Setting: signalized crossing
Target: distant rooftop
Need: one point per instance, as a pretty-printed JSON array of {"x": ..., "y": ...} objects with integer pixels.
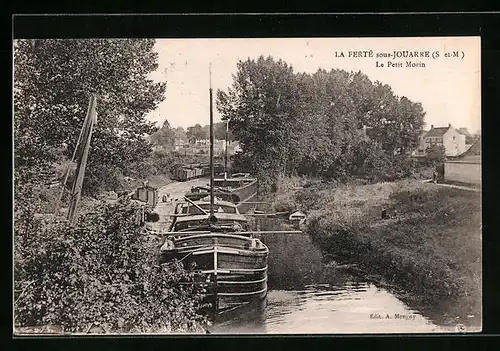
[
  {"x": 474, "y": 149},
  {"x": 437, "y": 132}
]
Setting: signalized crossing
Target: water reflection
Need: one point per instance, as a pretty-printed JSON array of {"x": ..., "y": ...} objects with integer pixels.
[
  {"x": 360, "y": 308},
  {"x": 308, "y": 297},
  {"x": 344, "y": 310}
]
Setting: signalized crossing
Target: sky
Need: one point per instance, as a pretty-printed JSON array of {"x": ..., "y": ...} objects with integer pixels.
[{"x": 448, "y": 88}]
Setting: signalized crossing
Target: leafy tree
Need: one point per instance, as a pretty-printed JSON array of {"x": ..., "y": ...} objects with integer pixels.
[
  {"x": 435, "y": 154},
  {"x": 261, "y": 108},
  {"x": 394, "y": 122},
  {"x": 180, "y": 133},
  {"x": 313, "y": 124},
  {"x": 52, "y": 84},
  {"x": 220, "y": 132},
  {"x": 469, "y": 138},
  {"x": 195, "y": 133},
  {"x": 328, "y": 122},
  {"x": 164, "y": 137}
]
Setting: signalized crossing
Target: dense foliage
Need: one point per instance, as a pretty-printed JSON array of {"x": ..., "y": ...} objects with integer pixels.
[
  {"x": 435, "y": 155},
  {"x": 53, "y": 82},
  {"x": 103, "y": 271},
  {"x": 164, "y": 137},
  {"x": 198, "y": 132},
  {"x": 333, "y": 124}
]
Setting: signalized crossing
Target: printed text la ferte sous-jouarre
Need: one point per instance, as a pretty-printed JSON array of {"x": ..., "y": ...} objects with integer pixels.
[{"x": 401, "y": 58}]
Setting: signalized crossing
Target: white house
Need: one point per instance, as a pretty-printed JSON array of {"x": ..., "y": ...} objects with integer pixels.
[{"x": 449, "y": 137}]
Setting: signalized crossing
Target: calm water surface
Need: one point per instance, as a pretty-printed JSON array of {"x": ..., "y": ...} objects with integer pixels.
[
  {"x": 325, "y": 309},
  {"x": 308, "y": 297}
]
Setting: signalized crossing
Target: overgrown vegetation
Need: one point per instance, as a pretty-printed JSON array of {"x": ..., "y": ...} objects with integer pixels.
[
  {"x": 52, "y": 85},
  {"x": 430, "y": 244},
  {"x": 331, "y": 124},
  {"x": 103, "y": 271}
]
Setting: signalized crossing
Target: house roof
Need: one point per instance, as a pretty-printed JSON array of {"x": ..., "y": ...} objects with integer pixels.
[
  {"x": 437, "y": 132},
  {"x": 474, "y": 149},
  {"x": 472, "y": 155}
]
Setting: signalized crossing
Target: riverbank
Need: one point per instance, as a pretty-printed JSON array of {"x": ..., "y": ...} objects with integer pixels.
[
  {"x": 111, "y": 268},
  {"x": 427, "y": 247}
]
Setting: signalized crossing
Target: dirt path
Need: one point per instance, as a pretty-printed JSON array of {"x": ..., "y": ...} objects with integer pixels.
[
  {"x": 459, "y": 187},
  {"x": 463, "y": 187}
]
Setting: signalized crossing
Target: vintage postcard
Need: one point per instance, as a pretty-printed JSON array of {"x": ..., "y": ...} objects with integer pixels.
[{"x": 247, "y": 186}]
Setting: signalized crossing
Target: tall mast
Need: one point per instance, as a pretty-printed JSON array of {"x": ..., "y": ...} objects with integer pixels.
[
  {"x": 211, "y": 147},
  {"x": 225, "y": 155}
]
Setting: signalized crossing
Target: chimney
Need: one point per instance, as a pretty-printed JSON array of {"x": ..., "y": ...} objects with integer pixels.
[
  {"x": 432, "y": 126},
  {"x": 449, "y": 125}
]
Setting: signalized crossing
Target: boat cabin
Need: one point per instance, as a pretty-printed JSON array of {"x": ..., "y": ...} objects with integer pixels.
[
  {"x": 233, "y": 183},
  {"x": 298, "y": 217},
  {"x": 219, "y": 207},
  {"x": 240, "y": 175},
  {"x": 189, "y": 217},
  {"x": 226, "y": 222},
  {"x": 147, "y": 194}
]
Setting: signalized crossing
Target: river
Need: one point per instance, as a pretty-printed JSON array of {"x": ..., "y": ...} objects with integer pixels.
[
  {"x": 322, "y": 299},
  {"x": 308, "y": 296}
]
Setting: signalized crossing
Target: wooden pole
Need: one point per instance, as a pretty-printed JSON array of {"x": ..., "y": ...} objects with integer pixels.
[
  {"x": 76, "y": 190},
  {"x": 225, "y": 155},
  {"x": 211, "y": 147},
  {"x": 77, "y": 146}
]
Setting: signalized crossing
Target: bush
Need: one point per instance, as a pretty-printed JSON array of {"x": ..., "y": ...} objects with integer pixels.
[
  {"x": 309, "y": 199},
  {"x": 101, "y": 271},
  {"x": 103, "y": 178},
  {"x": 435, "y": 155},
  {"x": 338, "y": 235},
  {"x": 285, "y": 204}
]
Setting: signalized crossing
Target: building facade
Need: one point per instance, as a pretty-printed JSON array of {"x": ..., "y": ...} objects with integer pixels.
[{"x": 449, "y": 137}]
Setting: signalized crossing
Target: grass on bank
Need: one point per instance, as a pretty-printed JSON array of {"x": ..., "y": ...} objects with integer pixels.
[{"x": 430, "y": 245}]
